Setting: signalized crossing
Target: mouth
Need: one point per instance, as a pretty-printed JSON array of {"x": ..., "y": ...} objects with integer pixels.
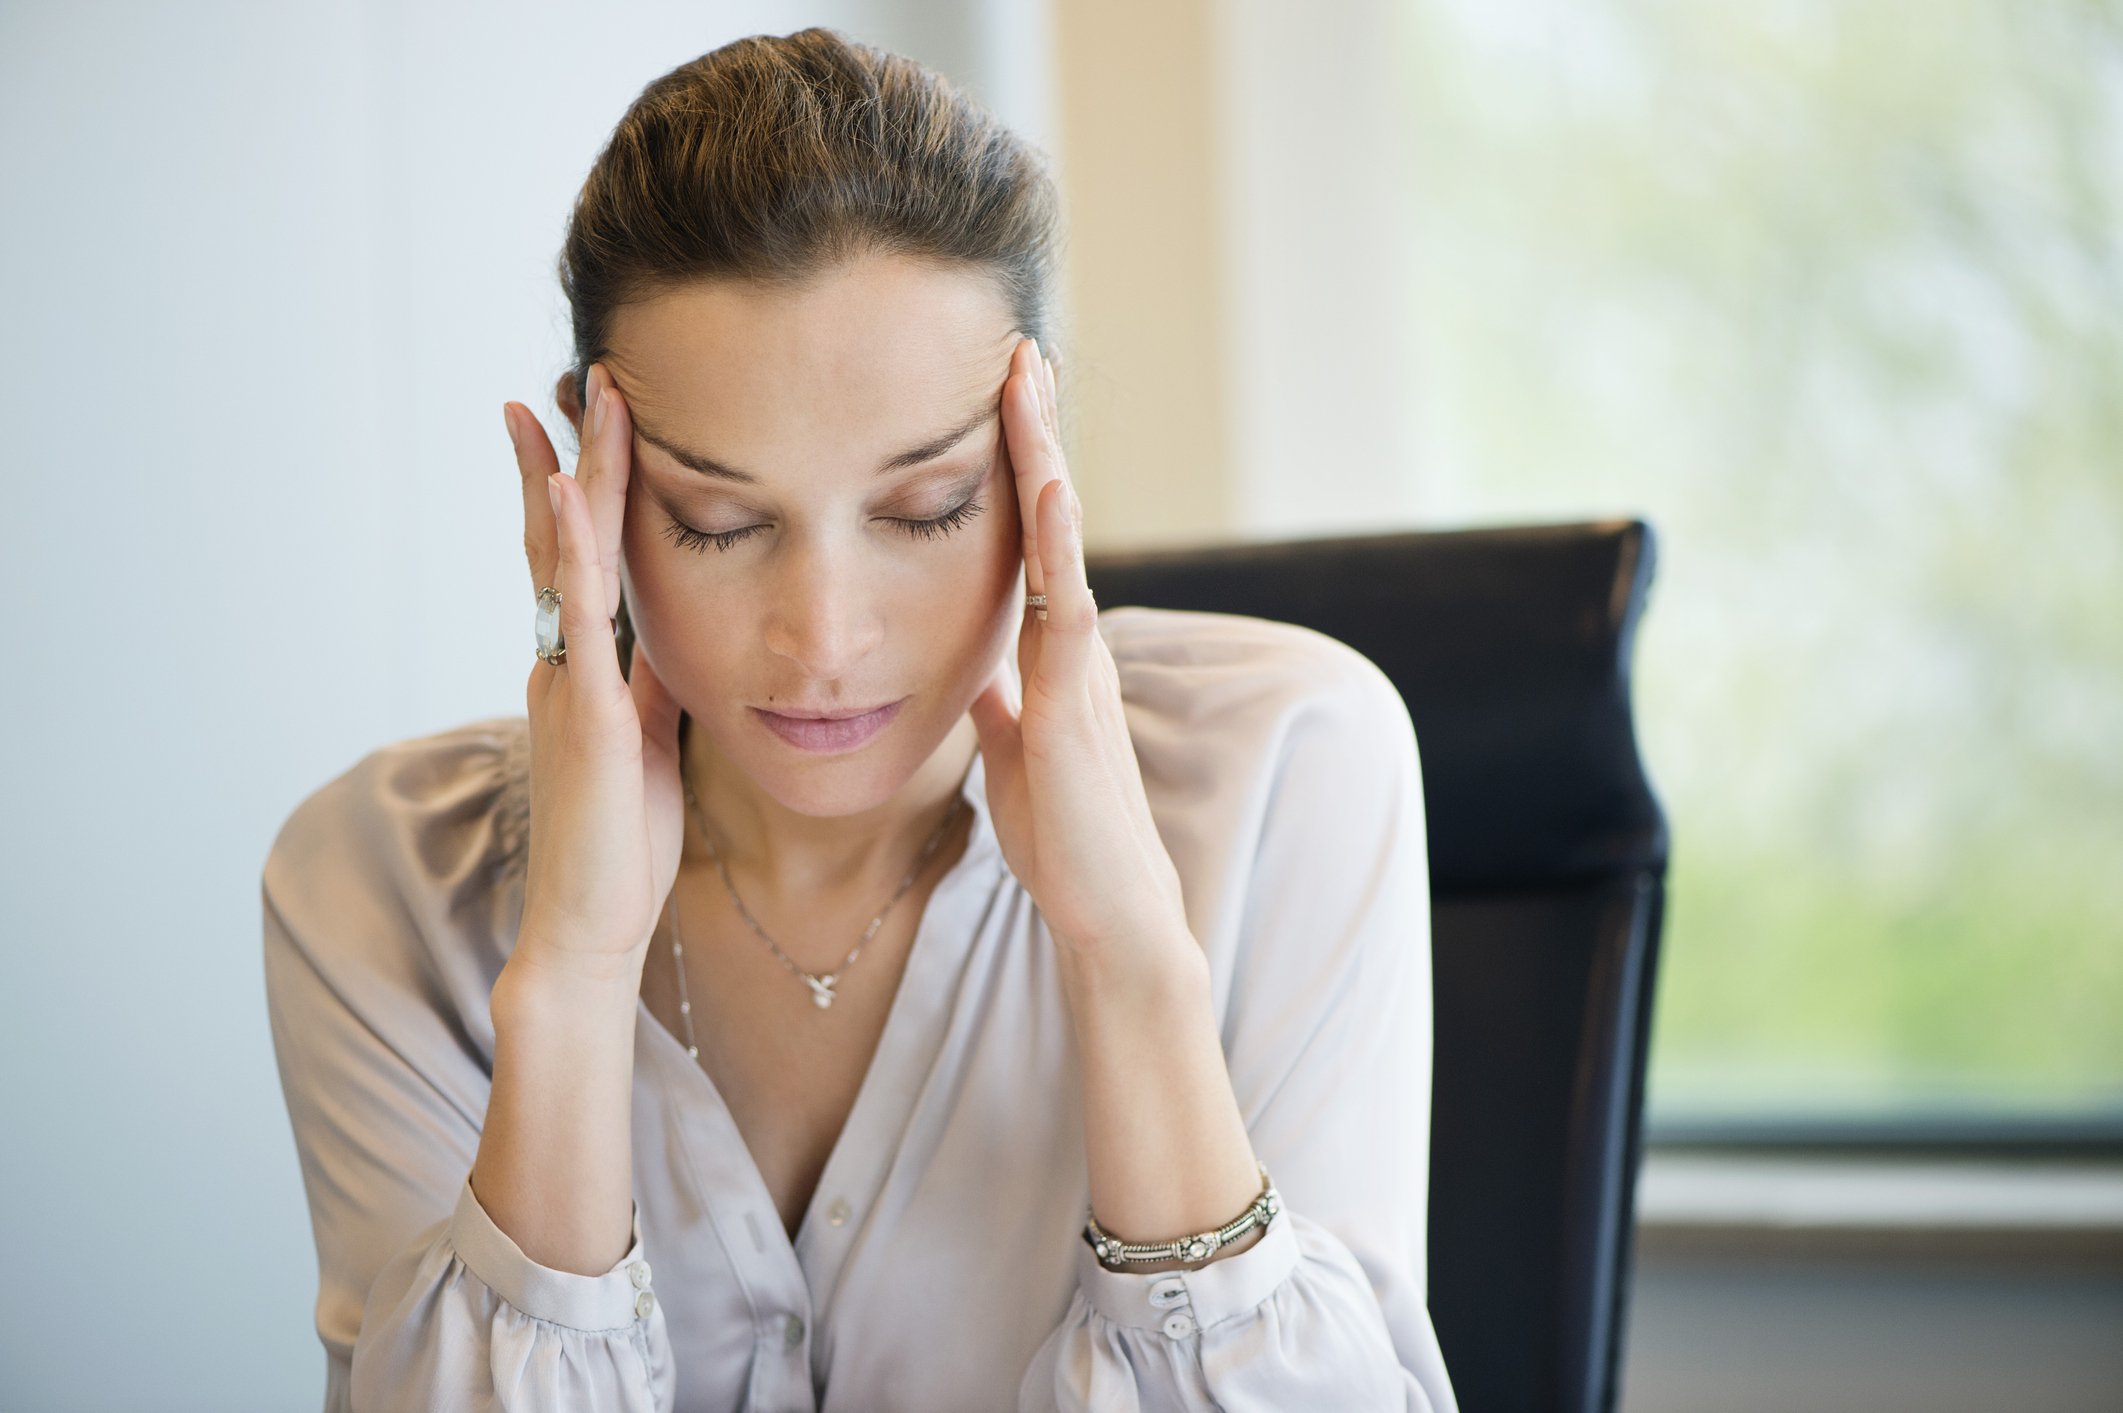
[
  {"x": 824, "y": 714},
  {"x": 829, "y": 733}
]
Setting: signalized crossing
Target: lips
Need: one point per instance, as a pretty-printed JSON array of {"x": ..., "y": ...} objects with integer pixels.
[
  {"x": 829, "y": 735},
  {"x": 827, "y": 714}
]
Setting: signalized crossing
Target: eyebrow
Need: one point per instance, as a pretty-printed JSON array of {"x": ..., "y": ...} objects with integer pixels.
[{"x": 913, "y": 456}]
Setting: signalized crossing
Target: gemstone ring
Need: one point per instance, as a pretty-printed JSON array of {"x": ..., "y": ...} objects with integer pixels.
[{"x": 552, "y": 647}]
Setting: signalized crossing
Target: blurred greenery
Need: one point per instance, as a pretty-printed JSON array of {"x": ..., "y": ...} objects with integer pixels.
[{"x": 1831, "y": 292}]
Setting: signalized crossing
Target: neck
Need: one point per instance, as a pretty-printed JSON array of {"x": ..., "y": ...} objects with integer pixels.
[{"x": 792, "y": 855}]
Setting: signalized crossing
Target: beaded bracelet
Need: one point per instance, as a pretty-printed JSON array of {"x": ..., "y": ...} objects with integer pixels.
[{"x": 1114, "y": 1253}]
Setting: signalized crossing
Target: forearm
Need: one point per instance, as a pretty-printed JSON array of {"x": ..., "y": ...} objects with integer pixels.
[
  {"x": 555, "y": 1163},
  {"x": 1165, "y": 1142}
]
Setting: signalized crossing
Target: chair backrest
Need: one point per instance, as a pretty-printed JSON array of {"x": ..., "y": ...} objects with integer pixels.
[{"x": 1548, "y": 849}]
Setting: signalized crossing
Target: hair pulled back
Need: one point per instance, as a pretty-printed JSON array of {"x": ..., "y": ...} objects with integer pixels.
[{"x": 775, "y": 159}]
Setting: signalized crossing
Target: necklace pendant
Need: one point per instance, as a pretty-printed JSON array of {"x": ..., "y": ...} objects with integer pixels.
[{"x": 821, "y": 991}]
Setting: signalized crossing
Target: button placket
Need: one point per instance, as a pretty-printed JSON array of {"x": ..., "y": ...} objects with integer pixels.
[
  {"x": 638, "y": 1273},
  {"x": 1171, "y": 1294}
]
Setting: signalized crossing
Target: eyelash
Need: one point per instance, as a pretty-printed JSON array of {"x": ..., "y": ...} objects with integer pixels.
[{"x": 686, "y": 537}]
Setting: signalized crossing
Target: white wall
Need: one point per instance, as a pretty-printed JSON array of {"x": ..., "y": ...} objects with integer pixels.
[{"x": 270, "y": 272}]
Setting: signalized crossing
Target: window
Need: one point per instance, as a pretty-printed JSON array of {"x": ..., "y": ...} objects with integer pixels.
[{"x": 1831, "y": 291}]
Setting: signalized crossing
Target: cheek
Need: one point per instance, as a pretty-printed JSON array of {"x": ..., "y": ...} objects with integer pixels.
[
  {"x": 994, "y": 563},
  {"x": 1006, "y": 529},
  {"x": 643, "y": 569},
  {"x": 994, "y": 610},
  {"x": 661, "y": 582}
]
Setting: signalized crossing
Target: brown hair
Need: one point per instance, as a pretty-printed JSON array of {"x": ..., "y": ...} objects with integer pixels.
[{"x": 775, "y": 158}]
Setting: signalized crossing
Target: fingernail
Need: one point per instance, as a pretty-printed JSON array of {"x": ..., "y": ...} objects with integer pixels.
[
  {"x": 508, "y": 420},
  {"x": 597, "y": 414},
  {"x": 552, "y": 493}
]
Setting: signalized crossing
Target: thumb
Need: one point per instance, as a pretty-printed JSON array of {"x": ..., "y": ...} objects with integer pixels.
[{"x": 995, "y": 719}]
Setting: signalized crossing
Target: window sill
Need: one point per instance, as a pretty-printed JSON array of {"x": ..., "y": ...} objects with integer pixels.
[{"x": 1762, "y": 1204}]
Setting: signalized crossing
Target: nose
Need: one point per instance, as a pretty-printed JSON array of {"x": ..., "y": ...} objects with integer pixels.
[{"x": 825, "y": 617}]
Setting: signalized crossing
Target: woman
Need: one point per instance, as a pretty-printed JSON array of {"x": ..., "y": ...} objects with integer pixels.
[{"x": 614, "y": 1085}]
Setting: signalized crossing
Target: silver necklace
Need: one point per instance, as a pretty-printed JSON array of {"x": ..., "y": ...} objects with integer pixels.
[{"x": 822, "y": 992}]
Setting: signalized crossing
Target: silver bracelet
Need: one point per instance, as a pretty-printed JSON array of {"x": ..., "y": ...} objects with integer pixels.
[{"x": 1115, "y": 1253}]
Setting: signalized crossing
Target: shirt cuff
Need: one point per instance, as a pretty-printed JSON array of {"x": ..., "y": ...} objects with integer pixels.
[
  {"x": 615, "y": 1299},
  {"x": 1231, "y": 1285}
]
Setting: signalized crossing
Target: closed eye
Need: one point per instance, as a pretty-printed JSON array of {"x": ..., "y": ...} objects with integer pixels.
[{"x": 686, "y": 537}]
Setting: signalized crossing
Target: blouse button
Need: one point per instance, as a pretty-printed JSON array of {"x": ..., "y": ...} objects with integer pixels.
[
  {"x": 639, "y": 1274},
  {"x": 792, "y": 1333},
  {"x": 1168, "y": 1292},
  {"x": 643, "y": 1304},
  {"x": 837, "y": 1214},
  {"x": 1179, "y": 1324}
]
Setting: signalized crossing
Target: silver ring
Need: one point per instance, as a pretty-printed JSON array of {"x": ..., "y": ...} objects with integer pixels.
[
  {"x": 1037, "y": 603},
  {"x": 552, "y": 644}
]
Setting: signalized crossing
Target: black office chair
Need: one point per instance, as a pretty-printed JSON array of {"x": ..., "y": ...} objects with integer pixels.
[{"x": 1548, "y": 850}]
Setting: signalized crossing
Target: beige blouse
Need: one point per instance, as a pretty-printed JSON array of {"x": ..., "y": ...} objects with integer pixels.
[{"x": 941, "y": 1263}]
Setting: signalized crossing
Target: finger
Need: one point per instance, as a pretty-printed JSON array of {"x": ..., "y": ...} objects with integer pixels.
[
  {"x": 1065, "y": 634},
  {"x": 534, "y": 462},
  {"x": 1031, "y": 452},
  {"x": 1051, "y": 406},
  {"x": 1049, "y": 399},
  {"x": 585, "y": 621},
  {"x": 602, "y": 470}
]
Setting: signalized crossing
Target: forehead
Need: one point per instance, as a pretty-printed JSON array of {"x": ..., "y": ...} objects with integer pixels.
[{"x": 861, "y": 362}]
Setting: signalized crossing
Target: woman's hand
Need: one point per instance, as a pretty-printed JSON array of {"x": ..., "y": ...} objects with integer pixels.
[
  {"x": 1064, "y": 791},
  {"x": 607, "y": 811}
]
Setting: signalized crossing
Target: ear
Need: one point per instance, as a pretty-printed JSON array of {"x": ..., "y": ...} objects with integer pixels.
[{"x": 570, "y": 405}]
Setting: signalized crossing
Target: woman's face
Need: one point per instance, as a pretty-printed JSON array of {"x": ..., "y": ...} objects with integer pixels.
[{"x": 788, "y": 448}]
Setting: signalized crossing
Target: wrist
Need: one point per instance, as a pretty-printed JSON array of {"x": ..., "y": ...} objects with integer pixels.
[
  {"x": 537, "y": 981},
  {"x": 1143, "y": 979}
]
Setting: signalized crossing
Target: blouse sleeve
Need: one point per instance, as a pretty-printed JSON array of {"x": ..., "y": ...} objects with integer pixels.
[
  {"x": 371, "y": 903},
  {"x": 1327, "y": 1036}
]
